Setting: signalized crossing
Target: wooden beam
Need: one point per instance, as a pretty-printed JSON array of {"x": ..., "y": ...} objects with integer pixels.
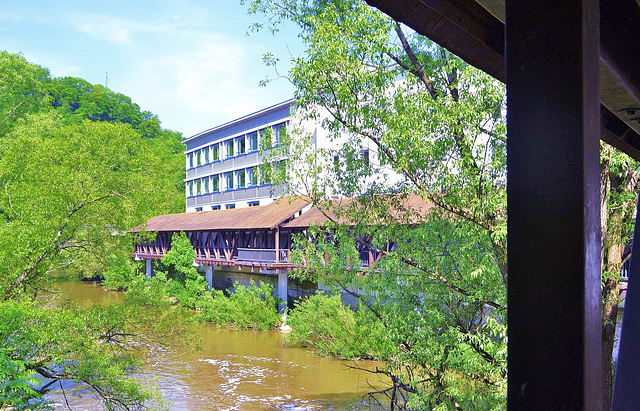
[
  {"x": 554, "y": 205},
  {"x": 463, "y": 27}
]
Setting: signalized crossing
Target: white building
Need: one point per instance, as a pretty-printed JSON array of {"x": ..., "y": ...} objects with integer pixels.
[{"x": 224, "y": 163}]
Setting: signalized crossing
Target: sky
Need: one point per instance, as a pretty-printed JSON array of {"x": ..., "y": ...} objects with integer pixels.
[{"x": 188, "y": 61}]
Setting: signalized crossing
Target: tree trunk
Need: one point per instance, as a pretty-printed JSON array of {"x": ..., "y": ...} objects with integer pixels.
[{"x": 614, "y": 239}]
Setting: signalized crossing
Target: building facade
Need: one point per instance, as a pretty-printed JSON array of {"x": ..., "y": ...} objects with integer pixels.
[{"x": 224, "y": 163}]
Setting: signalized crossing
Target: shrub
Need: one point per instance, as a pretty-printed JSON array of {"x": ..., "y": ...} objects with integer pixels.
[
  {"x": 248, "y": 307},
  {"x": 324, "y": 323}
]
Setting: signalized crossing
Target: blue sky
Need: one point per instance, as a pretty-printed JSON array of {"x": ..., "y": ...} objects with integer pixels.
[{"x": 188, "y": 61}]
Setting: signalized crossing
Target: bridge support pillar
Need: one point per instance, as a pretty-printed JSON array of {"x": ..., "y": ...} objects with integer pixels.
[
  {"x": 209, "y": 276},
  {"x": 283, "y": 290},
  {"x": 149, "y": 269}
]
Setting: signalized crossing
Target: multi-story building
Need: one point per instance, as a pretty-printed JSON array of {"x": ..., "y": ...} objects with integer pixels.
[{"x": 224, "y": 163}]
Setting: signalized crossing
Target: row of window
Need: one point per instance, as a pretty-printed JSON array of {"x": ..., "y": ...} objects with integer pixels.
[
  {"x": 230, "y": 206},
  {"x": 246, "y": 177},
  {"x": 247, "y": 143}
]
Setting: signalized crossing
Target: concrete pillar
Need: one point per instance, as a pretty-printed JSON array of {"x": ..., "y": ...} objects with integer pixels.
[
  {"x": 149, "y": 269},
  {"x": 209, "y": 276},
  {"x": 283, "y": 290}
]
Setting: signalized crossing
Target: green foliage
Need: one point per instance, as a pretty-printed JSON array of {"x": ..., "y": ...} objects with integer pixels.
[
  {"x": 325, "y": 324},
  {"x": 157, "y": 291},
  {"x": 22, "y": 89},
  {"x": 76, "y": 98},
  {"x": 93, "y": 347},
  {"x": 180, "y": 258},
  {"x": 246, "y": 307},
  {"x": 69, "y": 194},
  {"x": 71, "y": 188},
  {"x": 435, "y": 129}
]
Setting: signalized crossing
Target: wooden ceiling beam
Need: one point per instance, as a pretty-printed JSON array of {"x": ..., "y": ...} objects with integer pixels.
[{"x": 463, "y": 27}]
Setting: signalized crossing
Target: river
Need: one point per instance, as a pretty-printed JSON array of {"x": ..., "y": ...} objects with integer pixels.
[{"x": 237, "y": 370}]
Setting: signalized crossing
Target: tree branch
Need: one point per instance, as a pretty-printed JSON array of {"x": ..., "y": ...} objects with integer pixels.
[{"x": 419, "y": 70}]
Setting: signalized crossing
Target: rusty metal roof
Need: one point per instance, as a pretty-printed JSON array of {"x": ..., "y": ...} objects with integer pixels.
[
  {"x": 259, "y": 217},
  {"x": 410, "y": 209}
]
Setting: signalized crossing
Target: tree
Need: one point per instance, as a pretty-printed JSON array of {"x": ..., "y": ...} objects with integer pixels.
[
  {"x": 619, "y": 184},
  {"x": 69, "y": 193},
  {"x": 75, "y": 174},
  {"x": 22, "y": 89},
  {"x": 181, "y": 258},
  {"x": 76, "y": 100},
  {"x": 95, "y": 348},
  {"x": 440, "y": 124},
  {"x": 440, "y": 289}
]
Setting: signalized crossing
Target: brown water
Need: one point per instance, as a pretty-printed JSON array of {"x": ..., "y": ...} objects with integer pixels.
[{"x": 239, "y": 370}]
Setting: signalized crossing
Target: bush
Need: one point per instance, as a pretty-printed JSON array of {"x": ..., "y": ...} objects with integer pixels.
[
  {"x": 248, "y": 307},
  {"x": 158, "y": 291},
  {"x": 328, "y": 326}
]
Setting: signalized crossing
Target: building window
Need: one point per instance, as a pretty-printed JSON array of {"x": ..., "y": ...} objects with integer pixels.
[
  {"x": 241, "y": 179},
  {"x": 198, "y": 208},
  {"x": 215, "y": 207},
  {"x": 252, "y": 176},
  {"x": 253, "y": 203},
  {"x": 241, "y": 145},
  {"x": 279, "y": 132},
  {"x": 205, "y": 185},
  {"x": 198, "y": 192},
  {"x": 190, "y": 188},
  {"x": 215, "y": 184},
  {"x": 229, "y": 147},
  {"x": 336, "y": 163},
  {"x": 190, "y": 155},
  {"x": 253, "y": 141},
  {"x": 198, "y": 163},
  {"x": 265, "y": 174},
  {"x": 216, "y": 152},
  {"x": 229, "y": 206},
  {"x": 229, "y": 181},
  {"x": 206, "y": 155},
  {"x": 365, "y": 157}
]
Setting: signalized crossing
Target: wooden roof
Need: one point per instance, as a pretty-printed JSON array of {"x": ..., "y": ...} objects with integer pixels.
[
  {"x": 415, "y": 205},
  {"x": 260, "y": 217},
  {"x": 474, "y": 30}
]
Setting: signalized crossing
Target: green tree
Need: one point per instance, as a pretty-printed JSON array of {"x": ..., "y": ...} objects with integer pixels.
[
  {"x": 181, "y": 258},
  {"x": 79, "y": 166},
  {"x": 95, "y": 348},
  {"x": 619, "y": 185},
  {"x": 69, "y": 193},
  {"x": 424, "y": 115},
  {"x": 439, "y": 123},
  {"x": 76, "y": 100},
  {"x": 22, "y": 89}
]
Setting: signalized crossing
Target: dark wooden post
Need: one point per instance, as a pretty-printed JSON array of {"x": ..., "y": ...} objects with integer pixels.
[
  {"x": 277, "y": 243},
  {"x": 553, "y": 205}
]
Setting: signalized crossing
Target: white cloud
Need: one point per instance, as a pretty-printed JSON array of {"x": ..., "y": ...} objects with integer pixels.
[
  {"x": 111, "y": 29},
  {"x": 117, "y": 30},
  {"x": 207, "y": 79}
]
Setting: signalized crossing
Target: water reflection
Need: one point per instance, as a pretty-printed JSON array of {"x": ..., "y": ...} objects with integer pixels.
[{"x": 238, "y": 370}]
